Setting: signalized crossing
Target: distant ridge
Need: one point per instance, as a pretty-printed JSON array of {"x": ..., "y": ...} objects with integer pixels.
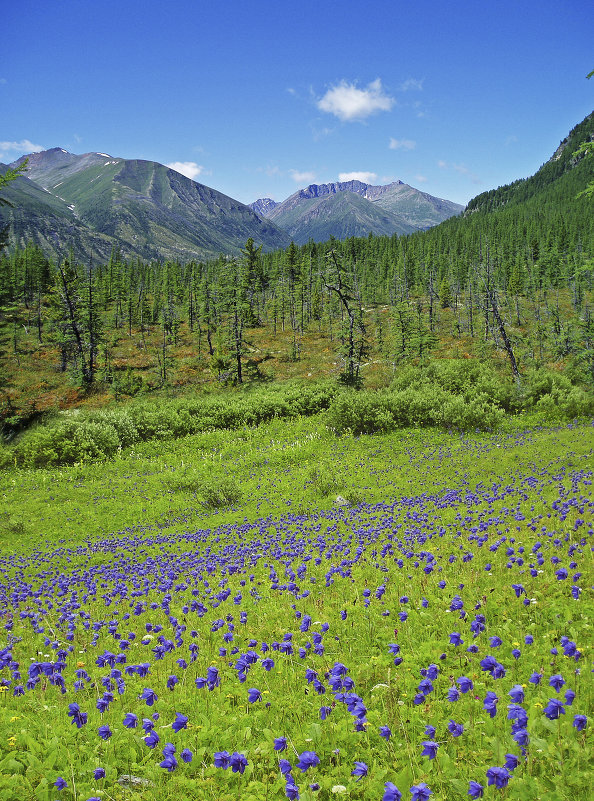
[
  {"x": 315, "y": 213},
  {"x": 94, "y": 202}
]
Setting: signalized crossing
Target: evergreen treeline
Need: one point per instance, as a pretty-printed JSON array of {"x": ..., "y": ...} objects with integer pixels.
[{"x": 513, "y": 274}]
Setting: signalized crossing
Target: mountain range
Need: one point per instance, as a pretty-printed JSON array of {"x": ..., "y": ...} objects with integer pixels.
[
  {"x": 94, "y": 202},
  {"x": 354, "y": 208}
]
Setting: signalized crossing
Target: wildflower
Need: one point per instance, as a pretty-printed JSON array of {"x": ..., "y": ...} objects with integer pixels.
[
  {"x": 284, "y": 766},
  {"x": 221, "y": 759},
  {"x": 580, "y": 722},
  {"x": 453, "y": 694},
  {"x": 475, "y": 790},
  {"x": 280, "y": 744},
  {"x": 517, "y": 694},
  {"x": 104, "y": 732},
  {"x": 385, "y": 732},
  {"x": 430, "y": 749},
  {"x": 149, "y": 696},
  {"x": 456, "y": 638},
  {"x": 60, "y": 783},
  {"x": 554, "y": 709},
  {"x": 130, "y": 721},
  {"x": 187, "y": 755},
  {"x": 360, "y": 770},
  {"x": 521, "y": 737},
  {"x": 465, "y": 684},
  {"x": 99, "y": 773},
  {"x": 308, "y": 759},
  {"x": 556, "y": 682},
  {"x": 238, "y": 762},
  {"x": 511, "y": 761},
  {"x": 490, "y": 704},
  {"x": 569, "y": 697},
  {"x": 78, "y": 717},
  {"x": 420, "y": 792},
  {"x": 169, "y": 763},
  {"x": 291, "y": 791},
  {"x": 391, "y": 793},
  {"x": 254, "y": 695},
  {"x": 535, "y": 678},
  {"x": 180, "y": 722},
  {"x": 498, "y": 776},
  {"x": 455, "y": 729},
  {"x": 152, "y": 739}
]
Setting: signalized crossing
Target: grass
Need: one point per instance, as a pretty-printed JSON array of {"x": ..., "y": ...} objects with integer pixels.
[{"x": 92, "y": 554}]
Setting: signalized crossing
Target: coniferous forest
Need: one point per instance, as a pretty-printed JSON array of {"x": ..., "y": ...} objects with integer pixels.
[{"x": 508, "y": 284}]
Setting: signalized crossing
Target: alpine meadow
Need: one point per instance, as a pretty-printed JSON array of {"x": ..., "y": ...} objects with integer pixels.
[{"x": 295, "y": 494}]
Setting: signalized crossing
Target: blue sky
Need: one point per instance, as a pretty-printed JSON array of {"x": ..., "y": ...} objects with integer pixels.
[{"x": 260, "y": 98}]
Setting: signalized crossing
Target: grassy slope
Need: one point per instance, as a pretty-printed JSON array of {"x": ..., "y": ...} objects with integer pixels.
[{"x": 283, "y": 466}]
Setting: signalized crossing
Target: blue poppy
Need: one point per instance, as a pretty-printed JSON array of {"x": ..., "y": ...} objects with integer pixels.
[
  {"x": 475, "y": 790},
  {"x": 580, "y": 722},
  {"x": 430, "y": 749},
  {"x": 180, "y": 722},
  {"x": 554, "y": 709}
]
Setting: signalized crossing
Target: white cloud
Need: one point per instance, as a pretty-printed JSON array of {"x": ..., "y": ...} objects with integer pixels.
[
  {"x": 412, "y": 83},
  {"x": 402, "y": 144},
  {"x": 24, "y": 146},
  {"x": 188, "y": 168},
  {"x": 422, "y": 179},
  {"x": 442, "y": 164},
  {"x": 302, "y": 177},
  {"x": 349, "y": 103},
  {"x": 364, "y": 177}
]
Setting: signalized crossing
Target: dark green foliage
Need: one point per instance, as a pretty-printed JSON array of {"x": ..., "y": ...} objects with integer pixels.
[{"x": 79, "y": 437}]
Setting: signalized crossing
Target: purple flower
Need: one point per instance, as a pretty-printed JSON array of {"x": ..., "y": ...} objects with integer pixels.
[
  {"x": 130, "y": 721},
  {"x": 455, "y": 729},
  {"x": 511, "y": 761},
  {"x": 475, "y": 790},
  {"x": 360, "y": 770},
  {"x": 78, "y": 717},
  {"x": 238, "y": 762},
  {"x": 152, "y": 739},
  {"x": 280, "y": 744},
  {"x": 535, "y": 678},
  {"x": 291, "y": 791},
  {"x": 391, "y": 792},
  {"x": 99, "y": 773},
  {"x": 385, "y": 732},
  {"x": 554, "y": 709},
  {"x": 498, "y": 776},
  {"x": 569, "y": 697},
  {"x": 556, "y": 682},
  {"x": 490, "y": 703},
  {"x": 456, "y": 638},
  {"x": 453, "y": 694},
  {"x": 254, "y": 695},
  {"x": 308, "y": 759},
  {"x": 60, "y": 783},
  {"x": 169, "y": 763},
  {"x": 221, "y": 759},
  {"x": 284, "y": 766},
  {"x": 149, "y": 696},
  {"x": 180, "y": 722},
  {"x": 430, "y": 749},
  {"x": 517, "y": 694},
  {"x": 171, "y": 682},
  {"x": 104, "y": 732},
  {"x": 580, "y": 722},
  {"x": 420, "y": 792},
  {"x": 187, "y": 755},
  {"x": 465, "y": 684}
]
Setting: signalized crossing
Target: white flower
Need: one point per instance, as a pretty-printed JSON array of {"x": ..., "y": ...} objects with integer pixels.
[{"x": 339, "y": 788}]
